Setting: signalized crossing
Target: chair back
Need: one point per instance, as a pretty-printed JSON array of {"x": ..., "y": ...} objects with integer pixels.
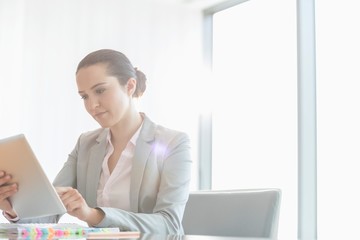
[{"x": 242, "y": 213}]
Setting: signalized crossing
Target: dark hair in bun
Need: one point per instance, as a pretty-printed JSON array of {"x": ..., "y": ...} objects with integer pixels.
[{"x": 118, "y": 65}]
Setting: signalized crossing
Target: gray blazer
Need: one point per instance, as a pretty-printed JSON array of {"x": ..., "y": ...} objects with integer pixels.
[{"x": 160, "y": 178}]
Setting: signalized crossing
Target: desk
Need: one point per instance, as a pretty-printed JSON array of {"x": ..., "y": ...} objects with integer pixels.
[
  {"x": 152, "y": 237},
  {"x": 191, "y": 237}
]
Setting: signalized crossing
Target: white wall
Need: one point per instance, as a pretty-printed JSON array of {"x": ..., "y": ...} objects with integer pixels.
[{"x": 42, "y": 41}]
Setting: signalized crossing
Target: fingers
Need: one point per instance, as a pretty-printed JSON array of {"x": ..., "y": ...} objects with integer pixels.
[
  {"x": 70, "y": 197},
  {"x": 62, "y": 190},
  {"x": 68, "y": 193},
  {"x": 7, "y": 189},
  {"x": 4, "y": 178}
]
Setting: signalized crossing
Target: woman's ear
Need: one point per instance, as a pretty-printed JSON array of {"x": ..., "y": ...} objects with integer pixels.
[{"x": 131, "y": 86}]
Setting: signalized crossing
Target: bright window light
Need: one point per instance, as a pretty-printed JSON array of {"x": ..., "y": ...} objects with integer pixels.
[
  {"x": 338, "y": 117},
  {"x": 255, "y": 102}
]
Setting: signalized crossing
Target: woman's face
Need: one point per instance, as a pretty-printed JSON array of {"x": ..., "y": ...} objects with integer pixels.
[{"x": 104, "y": 98}]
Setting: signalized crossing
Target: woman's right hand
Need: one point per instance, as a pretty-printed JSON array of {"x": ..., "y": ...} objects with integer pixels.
[{"x": 7, "y": 189}]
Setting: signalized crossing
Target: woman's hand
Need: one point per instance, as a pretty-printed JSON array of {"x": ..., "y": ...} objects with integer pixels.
[
  {"x": 76, "y": 206},
  {"x": 7, "y": 189}
]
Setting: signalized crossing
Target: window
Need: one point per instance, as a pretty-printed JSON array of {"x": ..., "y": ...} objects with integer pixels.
[
  {"x": 338, "y": 107},
  {"x": 254, "y": 102}
]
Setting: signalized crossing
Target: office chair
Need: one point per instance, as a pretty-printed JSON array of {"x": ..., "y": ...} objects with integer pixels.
[{"x": 243, "y": 213}]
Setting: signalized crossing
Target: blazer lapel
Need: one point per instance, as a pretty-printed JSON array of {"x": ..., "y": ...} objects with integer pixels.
[
  {"x": 97, "y": 154},
  {"x": 142, "y": 151}
]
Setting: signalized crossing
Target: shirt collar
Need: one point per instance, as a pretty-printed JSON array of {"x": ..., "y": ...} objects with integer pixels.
[
  {"x": 133, "y": 139},
  {"x": 136, "y": 135}
]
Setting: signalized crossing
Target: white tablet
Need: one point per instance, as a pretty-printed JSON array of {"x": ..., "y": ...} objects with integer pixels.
[{"x": 36, "y": 196}]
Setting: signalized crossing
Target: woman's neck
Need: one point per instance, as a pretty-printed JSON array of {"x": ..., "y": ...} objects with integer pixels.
[{"x": 123, "y": 131}]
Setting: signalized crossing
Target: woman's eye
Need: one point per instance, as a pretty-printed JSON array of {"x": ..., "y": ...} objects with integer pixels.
[
  {"x": 84, "y": 97},
  {"x": 100, "y": 90}
]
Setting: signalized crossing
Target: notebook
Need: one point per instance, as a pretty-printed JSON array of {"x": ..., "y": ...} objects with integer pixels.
[{"x": 36, "y": 196}]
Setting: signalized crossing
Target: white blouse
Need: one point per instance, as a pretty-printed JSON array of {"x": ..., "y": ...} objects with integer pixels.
[{"x": 114, "y": 189}]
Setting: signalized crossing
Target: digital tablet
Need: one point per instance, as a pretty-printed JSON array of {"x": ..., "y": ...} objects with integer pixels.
[{"x": 36, "y": 196}]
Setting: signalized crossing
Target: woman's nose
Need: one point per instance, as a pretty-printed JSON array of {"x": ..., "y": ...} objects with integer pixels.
[{"x": 92, "y": 103}]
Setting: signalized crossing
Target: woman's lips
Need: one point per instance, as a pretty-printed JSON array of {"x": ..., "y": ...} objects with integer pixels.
[{"x": 100, "y": 114}]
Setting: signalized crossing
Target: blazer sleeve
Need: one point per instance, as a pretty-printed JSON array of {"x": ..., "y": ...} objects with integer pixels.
[{"x": 173, "y": 192}]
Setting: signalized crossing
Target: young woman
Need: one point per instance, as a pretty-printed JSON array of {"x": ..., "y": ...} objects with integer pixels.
[{"x": 131, "y": 173}]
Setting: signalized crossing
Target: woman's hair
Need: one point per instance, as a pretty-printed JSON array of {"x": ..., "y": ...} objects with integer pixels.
[{"x": 118, "y": 65}]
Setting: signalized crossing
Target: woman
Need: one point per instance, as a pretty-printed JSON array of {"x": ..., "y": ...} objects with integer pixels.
[{"x": 130, "y": 173}]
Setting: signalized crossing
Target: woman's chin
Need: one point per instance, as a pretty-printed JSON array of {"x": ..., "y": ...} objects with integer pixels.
[{"x": 103, "y": 124}]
